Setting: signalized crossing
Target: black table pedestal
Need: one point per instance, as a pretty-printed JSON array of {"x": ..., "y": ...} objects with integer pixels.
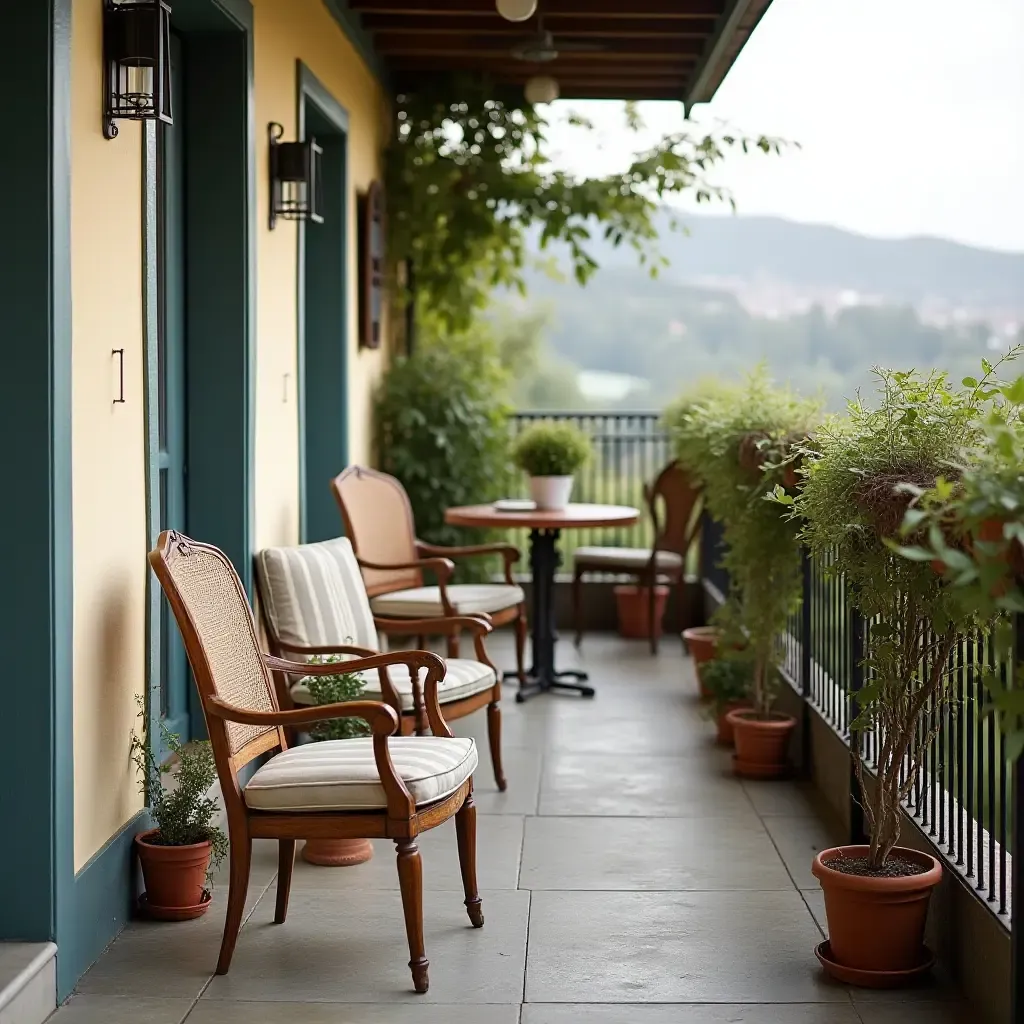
[{"x": 543, "y": 676}]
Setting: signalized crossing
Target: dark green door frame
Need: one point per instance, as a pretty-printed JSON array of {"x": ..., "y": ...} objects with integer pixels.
[
  {"x": 323, "y": 308},
  {"x": 37, "y": 805}
]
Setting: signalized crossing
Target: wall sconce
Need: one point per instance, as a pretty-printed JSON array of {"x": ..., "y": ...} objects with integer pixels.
[
  {"x": 296, "y": 184},
  {"x": 136, "y": 62}
]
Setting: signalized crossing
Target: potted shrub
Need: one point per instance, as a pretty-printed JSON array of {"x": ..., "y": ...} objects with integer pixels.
[
  {"x": 852, "y": 502},
  {"x": 728, "y": 681},
  {"x": 735, "y": 439},
  {"x": 702, "y": 643},
  {"x": 177, "y": 856},
  {"x": 549, "y": 454},
  {"x": 336, "y": 853}
]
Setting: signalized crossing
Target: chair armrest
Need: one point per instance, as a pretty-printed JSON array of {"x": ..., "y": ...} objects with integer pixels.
[
  {"x": 509, "y": 552},
  {"x": 383, "y": 722},
  {"x": 441, "y": 567},
  {"x": 447, "y": 625},
  {"x": 362, "y": 652}
]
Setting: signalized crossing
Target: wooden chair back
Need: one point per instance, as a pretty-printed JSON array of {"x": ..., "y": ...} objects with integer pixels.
[
  {"x": 379, "y": 522},
  {"x": 217, "y": 626},
  {"x": 672, "y": 499}
]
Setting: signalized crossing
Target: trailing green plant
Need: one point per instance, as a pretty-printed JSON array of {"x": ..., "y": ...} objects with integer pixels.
[
  {"x": 441, "y": 427},
  {"x": 861, "y": 473},
  {"x": 729, "y": 679},
  {"x": 345, "y": 686},
  {"x": 551, "y": 449},
  {"x": 711, "y": 429},
  {"x": 182, "y": 812},
  {"x": 469, "y": 172}
]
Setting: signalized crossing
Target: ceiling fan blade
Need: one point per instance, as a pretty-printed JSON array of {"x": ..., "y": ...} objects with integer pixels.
[{"x": 570, "y": 47}]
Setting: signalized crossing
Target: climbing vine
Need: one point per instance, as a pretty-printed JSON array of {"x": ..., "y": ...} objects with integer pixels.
[{"x": 468, "y": 173}]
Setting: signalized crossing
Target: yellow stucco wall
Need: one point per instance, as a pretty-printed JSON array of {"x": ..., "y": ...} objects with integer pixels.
[
  {"x": 109, "y": 507},
  {"x": 287, "y": 31},
  {"x": 108, "y": 450}
]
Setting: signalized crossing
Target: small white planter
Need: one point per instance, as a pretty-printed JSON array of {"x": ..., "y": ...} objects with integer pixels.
[{"x": 551, "y": 492}]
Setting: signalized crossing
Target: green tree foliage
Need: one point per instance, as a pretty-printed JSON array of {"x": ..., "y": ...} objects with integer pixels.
[
  {"x": 469, "y": 172},
  {"x": 344, "y": 686}
]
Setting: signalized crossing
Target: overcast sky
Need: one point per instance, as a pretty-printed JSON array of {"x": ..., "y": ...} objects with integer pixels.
[{"x": 910, "y": 114}]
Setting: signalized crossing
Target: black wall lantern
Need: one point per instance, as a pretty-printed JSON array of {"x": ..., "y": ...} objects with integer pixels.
[
  {"x": 296, "y": 183},
  {"x": 136, "y": 62}
]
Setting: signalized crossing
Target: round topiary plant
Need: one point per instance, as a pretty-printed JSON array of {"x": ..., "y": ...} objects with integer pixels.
[{"x": 551, "y": 449}]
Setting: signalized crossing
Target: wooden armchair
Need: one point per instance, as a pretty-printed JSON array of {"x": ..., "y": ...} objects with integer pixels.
[
  {"x": 378, "y": 520},
  {"x": 674, "y": 491},
  {"x": 384, "y": 786},
  {"x": 313, "y": 601}
]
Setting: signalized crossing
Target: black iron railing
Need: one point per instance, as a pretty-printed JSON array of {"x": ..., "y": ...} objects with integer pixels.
[
  {"x": 965, "y": 799},
  {"x": 629, "y": 448}
]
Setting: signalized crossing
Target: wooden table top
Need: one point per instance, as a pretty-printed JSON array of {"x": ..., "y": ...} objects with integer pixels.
[{"x": 570, "y": 518}]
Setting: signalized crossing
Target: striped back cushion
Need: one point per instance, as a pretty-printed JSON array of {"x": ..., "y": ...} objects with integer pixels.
[{"x": 313, "y": 595}]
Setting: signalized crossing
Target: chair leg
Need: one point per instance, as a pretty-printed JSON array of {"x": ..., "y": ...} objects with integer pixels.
[
  {"x": 577, "y": 607},
  {"x": 410, "y": 878},
  {"x": 453, "y": 646},
  {"x": 521, "y": 630},
  {"x": 494, "y": 741},
  {"x": 285, "y": 863},
  {"x": 238, "y": 887},
  {"x": 465, "y": 830},
  {"x": 652, "y": 597}
]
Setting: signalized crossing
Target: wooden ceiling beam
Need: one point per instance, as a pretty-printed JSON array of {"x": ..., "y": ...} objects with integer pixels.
[
  {"x": 571, "y": 28},
  {"x": 520, "y": 72},
  {"x": 399, "y": 44},
  {"x": 679, "y": 9}
]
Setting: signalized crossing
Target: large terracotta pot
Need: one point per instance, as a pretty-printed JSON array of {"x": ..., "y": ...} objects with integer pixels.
[
  {"x": 702, "y": 643},
  {"x": 337, "y": 853},
  {"x": 761, "y": 744},
  {"x": 876, "y": 924},
  {"x": 725, "y": 736},
  {"x": 633, "y": 605},
  {"x": 991, "y": 532},
  {"x": 175, "y": 878}
]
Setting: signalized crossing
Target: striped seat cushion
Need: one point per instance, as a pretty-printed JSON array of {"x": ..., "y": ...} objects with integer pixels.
[
  {"x": 462, "y": 678},
  {"x": 465, "y": 598},
  {"x": 628, "y": 559},
  {"x": 341, "y": 775}
]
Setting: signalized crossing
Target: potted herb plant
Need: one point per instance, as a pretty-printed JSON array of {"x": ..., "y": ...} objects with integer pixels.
[
  {"x": 728, "y": 681},
  {"x": 860, "y": 477},
  {"x": 178, "y": 855},
  {"x": 714, "y": 432},
  {"x": 702, "y": 644},
  {"x": 332, "y": 690},
  {"x": 550, "y": 453}
]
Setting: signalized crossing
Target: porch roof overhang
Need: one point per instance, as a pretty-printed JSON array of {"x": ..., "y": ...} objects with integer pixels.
[{"x": 647, "y": 50}]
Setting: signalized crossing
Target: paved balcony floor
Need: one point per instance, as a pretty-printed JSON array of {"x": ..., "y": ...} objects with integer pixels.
[{"x": 627, "y": 878}]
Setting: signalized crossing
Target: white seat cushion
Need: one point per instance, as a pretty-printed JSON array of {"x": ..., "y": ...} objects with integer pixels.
[
  {"x": 629, "y": 559},
  {"x": 341, "y": 775},
  {"x": 462, "y": 678},
  {"x": 465, "y": 598}
]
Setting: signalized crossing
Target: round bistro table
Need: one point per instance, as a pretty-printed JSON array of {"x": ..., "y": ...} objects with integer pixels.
[{"x": 545, "y": 527}]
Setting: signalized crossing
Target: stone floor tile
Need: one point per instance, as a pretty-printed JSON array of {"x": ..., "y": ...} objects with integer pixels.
[
  {"x": 727, "y": 947},
  {"x": 887, "y": 1011},
  {"x": 411, "y": 1011},
  {"x": 798, "y": 840},
  {"x": 121, "y": 1010},
  {"x": 499, "y": 843},
  {"x": 617, "y": 785},
  {"x": 523, "y": 768},
  {"x": 815, "y": 900},
  {"x": 351, "y": 947},
  {"x": 650, "y": 854},
  {"x": 694, "y": 1013},
  {"x": 792, "y": 799}
]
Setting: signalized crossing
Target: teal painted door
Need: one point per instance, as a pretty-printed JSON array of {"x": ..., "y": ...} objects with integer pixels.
[{"x": 174, "y": 674}]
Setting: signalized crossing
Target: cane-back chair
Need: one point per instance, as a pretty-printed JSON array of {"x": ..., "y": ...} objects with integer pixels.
[
  {"x": 382, "y": 786},
  {"x": 378, "y": 520},
  {"x": 313, "y": 602},
  {"x": 672, "y": 501}
]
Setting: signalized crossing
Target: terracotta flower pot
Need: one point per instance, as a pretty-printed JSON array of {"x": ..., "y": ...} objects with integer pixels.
[
  {"x": 760, "y": 743},
  {"x": 991, "y": 532},
  {"x": 175, "y": 877},
  {"x": 702, "y": 643},
  {"x": 751, "y": 456},
  {"x": 876, "y": 923},
  {"x": 633, "y": 604},
  {"x": 726, "y": 735},
  {"x": 337, "y": 853}
]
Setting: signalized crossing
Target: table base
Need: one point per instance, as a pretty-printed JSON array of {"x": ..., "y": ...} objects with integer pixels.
[{"x": 536, "y": 683}]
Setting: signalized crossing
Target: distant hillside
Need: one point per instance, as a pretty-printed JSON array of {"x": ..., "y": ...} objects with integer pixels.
[{"x": 914, "y": 271}]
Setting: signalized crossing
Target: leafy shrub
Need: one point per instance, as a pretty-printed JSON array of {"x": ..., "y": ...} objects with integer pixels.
[
  {"x": 441, "y": 425},
  {"x": 182, "y": 812},
  {"x": 551, "y": 449},
  {"x": 729, "y": 680},
  {"x": 334, "y": 690}
]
